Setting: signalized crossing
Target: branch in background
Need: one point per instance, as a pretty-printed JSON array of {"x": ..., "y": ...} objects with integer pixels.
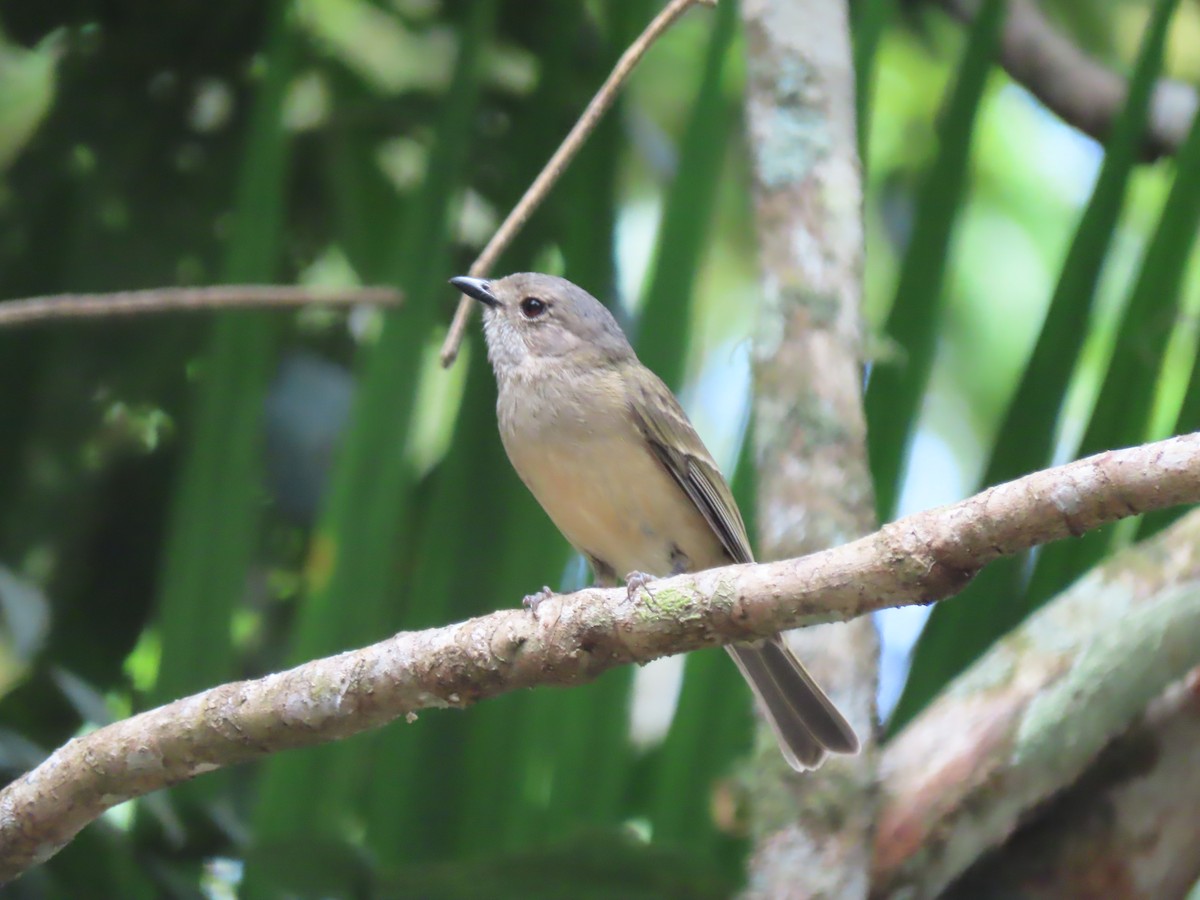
[
  {"x": 814, "y": 486},
  {"x": 1078, "y": 89},
  {"x": 573, "y": 639},
  {"x": 1127, "y": 830},
  {"x": 158, "y": 300},
  {"x": 541, "y": 186},
  {"x": 1026, "y": 720}
]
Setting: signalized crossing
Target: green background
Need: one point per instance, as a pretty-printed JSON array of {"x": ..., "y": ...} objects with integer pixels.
[{"x": 191, "y": 498}]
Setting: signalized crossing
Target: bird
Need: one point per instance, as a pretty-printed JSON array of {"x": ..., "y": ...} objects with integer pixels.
[{"x": 607, "y": 451}]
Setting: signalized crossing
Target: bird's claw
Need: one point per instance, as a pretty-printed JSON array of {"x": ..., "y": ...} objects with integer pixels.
[
  {"x": 636, "y": 581},
  {"x": 532, "y": 601}
]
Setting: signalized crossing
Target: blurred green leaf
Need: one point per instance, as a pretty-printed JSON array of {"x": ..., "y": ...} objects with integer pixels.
[
  {"x": 217, "y": 504},
  {"x": 413, "y": 808},
  {"x": 373, "y": 42},
  {"x": 99, "y": 861},
  {"x": 352, "y": 567},
  {"x": 27, "y": 80},
  {"x": 960, "y": 629},
  {"x": 688, "y": 209},
  {"x": 870, "y": 19},
  {"x": 895, "y": 388},
  {"x": 1187, "y": 421},
  {"x": 1121, "y": 416},
  {"x": 24, "y": 620},
  {"x": 305, "y": 866},
  {"x": 595, "y": 864}
]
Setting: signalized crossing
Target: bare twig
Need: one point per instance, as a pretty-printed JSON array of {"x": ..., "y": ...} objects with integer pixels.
[
  {"x": 1077, "y": 88},
  {"x": 537, "y": 191},
  {"x": 573, "y": 639},
  {"x": 174, "y": 299}
]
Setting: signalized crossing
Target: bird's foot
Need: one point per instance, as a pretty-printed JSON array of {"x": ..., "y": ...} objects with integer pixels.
[
  {"x": 636, "y": 581},
  {"x": 532, "y": 601}
]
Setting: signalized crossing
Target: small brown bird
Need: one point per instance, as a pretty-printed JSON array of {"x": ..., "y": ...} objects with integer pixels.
[{"x": 610, "y": 455}]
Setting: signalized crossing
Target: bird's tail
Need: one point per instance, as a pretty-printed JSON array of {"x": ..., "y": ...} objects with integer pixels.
[{"x": 806, "y": 723}]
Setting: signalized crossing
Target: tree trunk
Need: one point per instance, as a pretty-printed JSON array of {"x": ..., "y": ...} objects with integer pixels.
[{"x": 814, "y": 485}]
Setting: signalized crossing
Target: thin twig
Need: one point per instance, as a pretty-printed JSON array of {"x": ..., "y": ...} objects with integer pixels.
[
  {"x": 558, "y": 163},
  {"x": 157, "y": 300},
  {"x": 575, "y": 638}
]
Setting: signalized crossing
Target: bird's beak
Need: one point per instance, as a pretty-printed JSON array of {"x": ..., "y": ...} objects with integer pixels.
[{"x": 477, "y": 289}]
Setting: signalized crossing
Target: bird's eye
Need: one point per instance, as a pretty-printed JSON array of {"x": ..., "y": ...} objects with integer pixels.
[{"x": 532, "y": 307}]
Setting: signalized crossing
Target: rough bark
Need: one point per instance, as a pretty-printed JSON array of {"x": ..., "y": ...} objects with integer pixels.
[
  {"x": 1029, "y": 717},
  {"x": 1128, "y": 830}
]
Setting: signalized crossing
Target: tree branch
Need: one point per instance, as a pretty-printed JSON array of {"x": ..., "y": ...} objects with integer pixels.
[
  {"x": 1017, "y": 728},
  {"x": 557, "y": 164},
  {"x": 573, "y": 639},
  {"x": 1078, "y": 89},
  {"x": 176, "y": 299}
]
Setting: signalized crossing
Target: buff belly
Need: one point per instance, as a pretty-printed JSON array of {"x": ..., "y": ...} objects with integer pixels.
[{"x": 614, "y": 502}]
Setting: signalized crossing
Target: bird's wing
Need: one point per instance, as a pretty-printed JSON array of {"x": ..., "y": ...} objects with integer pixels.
[{"x": 673, "y": 441}]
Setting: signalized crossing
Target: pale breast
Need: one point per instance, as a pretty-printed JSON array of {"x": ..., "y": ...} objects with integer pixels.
[{"x": 593, "y": 475}]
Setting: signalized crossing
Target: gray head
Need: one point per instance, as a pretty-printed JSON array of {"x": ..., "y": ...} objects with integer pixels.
[{"x": 531, "y": 316}]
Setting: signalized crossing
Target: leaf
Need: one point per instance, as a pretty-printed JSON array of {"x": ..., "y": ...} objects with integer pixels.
[
  {"x": 353, "y": 568},
  {"x": 1122, "y": 412},
  {"x": 960, "y": 629},
  {"x": 214, "y": 518},
  {"x": 895, "y": 389},
  {"x": 27, "y": 85},
  {"x": 26, "y": 615},
  {"x": 592, "y": 864},
  {"x": 870, "y": 19},
  {"x": 688, "y": 210}
]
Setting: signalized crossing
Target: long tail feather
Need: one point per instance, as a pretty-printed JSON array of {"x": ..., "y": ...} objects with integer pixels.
[{"x": 806, "y": 724}]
